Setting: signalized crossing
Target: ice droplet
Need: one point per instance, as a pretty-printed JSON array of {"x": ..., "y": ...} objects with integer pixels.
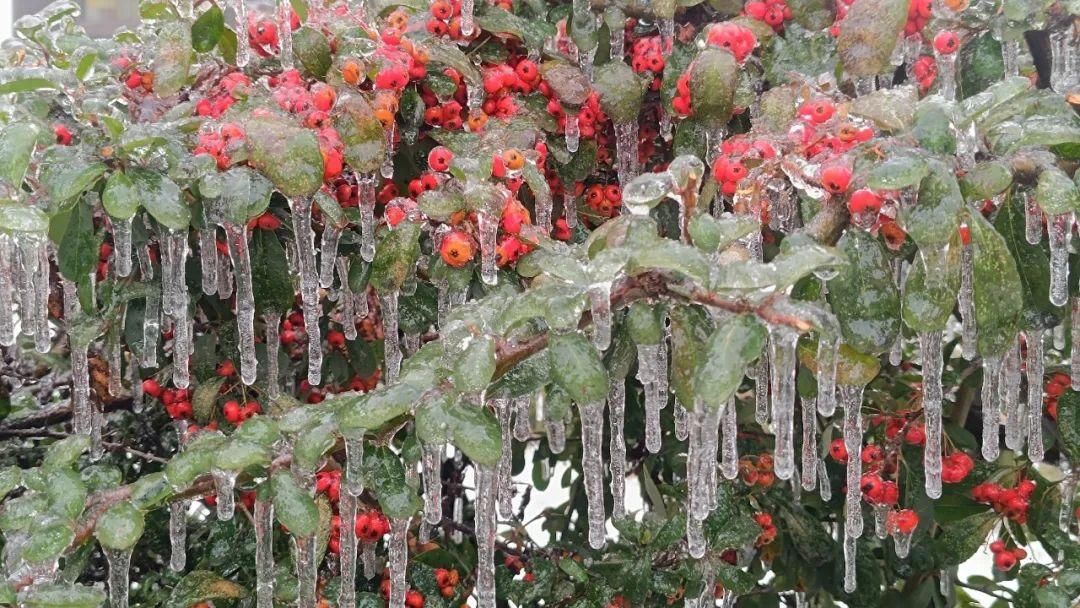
[
  {"x": 573, "y": 133},
  {"x": 119, "y": 561},
  {"x": 616, "y": 405},
  {"x": 556, "y": 434},
  {"x": 122, "y": 247},
  {"x": 600, "y": 297},
  {"x": 682, "y": 422},
  {"x": 245, "y": 300},
  {"x": 824, "y": 484},
  {"x": 388, "y": 311},
  {"x": 966, "y": 300},
  {"x": 504, "y": 473},
  {"x": 328, "y": 246},
  {"x": 1060, "y": 236},
  {"x": 946, "y": 69},
  {"x": 488, "y": 221},
  {"x": 1035, "y": 372},
  {"x": 366, "y": 196},
  {"x": 881, "y": 518},
  {"x": 1033, "y": 218},
  {"x": 485, "y": 526},
  {"x": 648, "y": 373},
  {"x": 264, "y": 552},
  {"x": 592, "y": 462},
  {"x": 1066, "y": 514},
  {"x": 208, "y": 259},
  {"x": 272, "y": 320},
  {"x": 850, "y": 555},
  {"x": 7, "y": 315},
  {"x": 178, "y": 535},
  {"x": 522, "y": 423},
  {"x": 626, "y": 151},
  {"x": 991, "y": 408},
  {"x": 1009, "y": 388},
  {"x": 729, "y": 451},
  {"x": 431, "y": 461},
  {"x": 851, "y": 400},
  {"x": 828, "y": 353},
  {"x": 347, "y": 507},
  {"x": 902, "y": 543},
  {"x": 243, "y": 44},
  {"x": 354, "y": 461},
  {"x": 782, "y": 342},
  {"x": 930, "y": 347},
  {"x": 570, "y": 207},
  {"x": 224, "y": 486},
  {"x": 309, "y": 283},
  {"x": 284, "y": 28},
  {"x": 695, "y": 537},
  {"x": 809, "y": 444}
]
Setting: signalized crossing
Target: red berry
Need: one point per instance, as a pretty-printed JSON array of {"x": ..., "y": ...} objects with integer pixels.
[
  {"x": 456, "y": 249},
  {"x": 997, "y": 546},
  {"x": 151, "y": 387},
  {"x": 232, "y": 412},
  {"x": 63, "y": 135},
  {"x": 906, "y": 521},
  {"x": 836, "y": 178},
  {"x": 838, "y": 451},
  {"x": 864, "y": 200},
  {"x": 439, "y": 158},
  {"x": 946, "y": 42},
  {"x": 1004, "y": 561},
  {"x": 226, "y": 369}
]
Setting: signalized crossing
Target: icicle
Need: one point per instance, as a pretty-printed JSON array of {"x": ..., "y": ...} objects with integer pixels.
[
  {"x": 367, "y": 559},
  {"x": 243, "y": 44},
  {"x": 1033, "y": 219},
  {"x": 224, "y": 492},
  {"x": 592, "y": 463},
  {"x": 851, "y": 544},
  {"x": 1010, "y": 55},
  {"x": 309, "y": 286},
  {"x": 151, "y": 330},
  {"x": 991, "y": 408},
  {"x": 224, "y": 277},
  {"x": 387, "y": 168},
  {"x": 616, "y": 405},
  {"x": 682, "y": 422},
  {"x": 1059, "y": 337},
  {"x": 264, "y": 552},
  {"x": 80, "y": 365},
  {"x": 485, "y": 526},
  {"x": 573, "y": 132},
  {"x": 600, "y": 297},
  {"x": 284, "y": 28},
  {"x": 945, "y": 584},
  {"x": 809, "y": 444},
  {"x": 119, "y": 561},
  {"x": 827, "y": 356},
  {"x": 966, "y": 301},
  {"x": 1063, "y": 60},
  {"x": 366, "y": 196},
  {"x": 902, "y": 543},
  {"x": 42, "y": 341},
  {"x": 272, "y": 320},
  {"x": 26, "y": 269},
  {"x": 347, "y": 533},
  {"x": 466, "y": 18},
  {"x": 851, "y": 401},
  {"x": 307, "y": 570},
  {"x": 824, "y": 485},
  {"x": 570, "y": 207},
  {"x": 7, "y": 315},
  {"x": 116, "y": 374},
  {"x": 328, "y": 246},
  {"x": 695, "y": 537},
  {"x": 701, "y": 461},
  {"x": 626, "y": 150},
  {"x": 245, "y": 300},
  {"x": 431, "y": 461},
  {"x": 1075, "y": 339},
  {"x": 178, "y": 535},
  {"x": 174, "y": 252},
  {"x": 354, "y": 461},
  {"x": 522, "y": 424},
  {"x": 1009, "y": 388},
  {"x": 881, "y": 519},
  {"x": 1035, "y": 374},
  {"x": 488, "y": 220},
  {"x": 388, "y": 304},
  {"x": 946, "y": 70},
  {"x": 1066, "y": 514},
  {"x": 504, "y": 475},
  {"x": 97, "y": 420},
  {"x": 648, "y": 373},
  {"x": 761, "y": 389},
  {"x": 121, "y": 247},
  {"x": 208, "y": 258},
  {"x": 782, "y": 342},
  {"x": 556, "y": 432},
  {"x": 1060, "y": 231},
  {"x": 666, "y": 130},
  {"x": 930, "y": 347},
  {"x": 182, "y": 349},
  {"x": 729, "y": 452}
]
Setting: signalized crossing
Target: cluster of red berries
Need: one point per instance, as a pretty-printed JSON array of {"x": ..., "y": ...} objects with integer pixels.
[
  {"x": 590, "y": 118},
  {"x": 1055, "y": 388},
  {"x": 820, "y": 134},
  {"x": 445, "y": 19},
  {"x": 955, "y": 467},
  {"x": 1013, "y": 503},
  {"x": 223, "y": 95},
  {"x": 447, "y": 581},
  {"x": 924, "y": 71},
  {"x": 291, "y": 93},
  {"x": 413, "y": 598},
  {"x": 370, "y": 527},
  {"x": 772, "y": 12},
  {"x": 757, "y": 471},
  {"x": 266, "y": 221},
  {"x": 177, "y": 401},
  {"x": 681, "y": 103},
  {"x": 140, "y": 80},
  {"x": 912, "y": 432},
  {"x": 605, "y": 200},
  {"x": 514, "y": 564},
  {"x": 903, "y": 521},
  {"x": 768, "y": 530},
  {"x": 918, "y": 14},
  {"x": 875, "y": 489},
  {"x": 647, "y": 55},
  {"x": 263, "y": 33},
  {"x": 1005, "y": 559},
  {"x": 728, "y": 169},
  {"x": 220, "y": 143},
  {"x": 738, "y": 39}
]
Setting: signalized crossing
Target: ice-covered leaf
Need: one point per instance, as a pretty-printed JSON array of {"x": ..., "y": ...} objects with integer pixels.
[
  {"x": 714, "y": 75},
  {"x": 645, "y": 323},
  {"x": 729, "y": 351},
  {"x": 473, "y": 430},
  {"x": 120, "y": 197},
  {"x": 1056, "y": 193},
  {"x": 16, "y": 217},
  {"x": 49, "y": 540},
  {"x": 1069, "y": 422},
  {"x": 202, "y": 586},
  {"x": 961, "y": 539},
  {"x": 863, "y": 295},
  {"x": 1032, "y": 265},
  {"x": 63, "y": 595},
  {"x": 868, "y": 34},
  {"x": 450, "y": 55},
  {"x": 312, "y": 50},
  {"x": 533, "y": 32},
  {"x": 802, "y": 53},
  {"x": 207, "y": 30},
  {"x": 979, "y": 65},
  {"x": 998, "y": 299},
  {"x": 162, "y": 198},
  {"x": 933, "y": 128},
  {"x": 901, "y": 171},
  {"x": 239, "y": 454},
  {"x": 78, "y": 252},
  {"x": 928, "y": 302},
  {"x": 986, "y": 180},
  {"x": 384, "y": 474},
  {"x": 17, "y": 141},
  {"x": 474, "y": 366},
  {"x": 245, "y": 194},
  {"x": 66, "y": 452},
  {"x": 361, "y": 132},
  {"x": 935, "y": 219},
  {"x": 890, "y": 110},
  {"x": 670, "y": 255},
  {"x": 691, "y": 330},
  {"x": 289, "y": 155},
  {"x": 356, "y": 412},
  {"x": 120, "y": 526},
  {"x": 66, "y": 174},
  {"x": 576, "y": 366},
  {"x": 293, "y": 506},
  {"x": 270, "y": 278},
  {"x": 569, "y": 83},
  {"x": 172, "y": 58},
  {"x": 812, "y": 14},
  {"x": 620, "y": 91}
]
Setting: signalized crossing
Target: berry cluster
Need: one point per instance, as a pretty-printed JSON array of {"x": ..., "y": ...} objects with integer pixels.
[
  {"x": 605, "y": 200},
  {"x": 1055, "y": 388},
  {"x": 757, "y": 471},
  {"x": 413, "y": 598},
  {"x": 177, "y": 401},
  {"x": 647, "y": 56},
  {"x": 919, "y": 13},
  {"x": 220, "y": 143},
  {"x": 738, "y": 39},
  {"x": 1012, "y": 503},
  {"x": 590, "y": 118},
  {"x": 771, "y": 12},
  {"x": 821, "y": 134},
  {"x": 768, "y": 530},
  {"x": 140, "y": 80},
  {"x": 1005, "y": 559},
  {"x": 729, "y": 169},
  {"x": 447, "y": 580},
  {"x": 903, "y": 521},
  {"x": 924, "y": 71},
  {"x": 223, "y": 95},
  {"x": 262, "y": 33},
  {"x": 445, "y": 20},
  {"x": 955, "y": 467}
]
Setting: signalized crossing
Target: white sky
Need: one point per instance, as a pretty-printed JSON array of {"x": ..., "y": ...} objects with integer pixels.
[{"x": 5, "y": 19}]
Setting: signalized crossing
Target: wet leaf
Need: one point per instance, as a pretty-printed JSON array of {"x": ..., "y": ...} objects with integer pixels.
[
  {"x": 162, "y": 198},
  {"x": 730, "y": 349},
  {"x": 312, "y": 51},
  {"x": 289, "y": 155},
  {"x": 77, "y": 255},
  {"x": 577, "y": 368},
  {"x": 868, "y": 34},
  {"x": 120, "y": 527},
  {"x": 64, "y": 595},
  {"x": 201, "y": 586},
  {"x": 395, "y": 257},
  {"x": 998, "y": 299},
  {"x": 1032, "y": 264},
  {"x": 1056, "y": 193},
  {"x": 172, "y": 58},
  {"x": 714, "y": 75},
  {"x": 17, "y": 141},
  {"x": 620, "y": 91},
  {"x": 690, "y": 333},
  {"x": 207, "y": 30},
  {"x": 863, "y": 296},
  {"x": 294, "y": 506},
  {"x": 120, "y": 197},
  {"x": 385, "y": 475}
]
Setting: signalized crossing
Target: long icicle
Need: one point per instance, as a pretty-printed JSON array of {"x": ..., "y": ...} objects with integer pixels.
[
  {"x": 930, "y": 347},
  {"x": 504, "y": 477},
  {"x": 431, "y": 459},
  {"x": 485, "y": 527},
  {"x": 809, "y": 462},
  {"x": 245, "y": 300},
  {"x": 264, "y": 552},
  {"x": 592, "y": 462},
  {"x": 782, "y": 343},
  {"x": 347, "y": 506},
  {"x": 966, "y": 300},
  {"x": 616, "y": 405},
  {"x": 729, "y": 451},
  {"x": 991, "y": 446},
  {"x": 1009, "y": 389},
  {"x": 272, "y": 320},
  {"x": 309, "y": 284},
  {"x": 7, "y": 288},
  {"x": 1035, "y": 372}
]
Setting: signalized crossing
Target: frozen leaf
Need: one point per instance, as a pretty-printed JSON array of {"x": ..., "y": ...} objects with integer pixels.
[
  {"x": 800, "y": 54},
  {"x": 864, "y": 296},
  {"x": 890, "y": 110},
  {"x": 474, "y": 366},
  {"x": 961, "y": 539},
  {"x": 714, "y": 76},
  {"x": 239, "y": 454},
  {"x": 202, "y": 586},
  {"x": 64, "y": 595},
  {"x": 395, "y": 257},
  {"x": 986, "y": 180},
  {"x": 17, "y": 141},
  {"x": 577, "y": 368},
  {"x": 690, "y": 335},
  {"x": 1069, "y": 423},
  {"x": 66, "y": 174},
  {"x": 120, "y": 198},
  {"x": 570, "y": 84},
  {"x": 384, "y": 474},
  {"x": 363, "y": 135},
  {"x": 66, "y": 452},
  {"x": 1032, "y": 264},
  {"x": 162, "y": 198},
  {"x": 868, "y": 34},
  {"x": 79, "y": 248},
  {"x": 288, "y": 155},
  {"x": 207, "y": 30},
  {"x": 172, "y": 58},
  {"x": 293, "y": 506},
  {"x": 928, "y": 302},
  {"x": 933, "y": 129},
  {"x": 312, "y": 50},
  {"x": 898, "y": 172},
  {"x": 1056, "y": 193},
  {"x": 980, "y": 64},
  {"x": 936, "y": 218},
  {"x": 998, "y": 299},
  {"x": 730, "y": 349},
  {"x": 245, "y": 194},
  {"x": 120, "y": 527},
  {"x": 621, "y": 91}
]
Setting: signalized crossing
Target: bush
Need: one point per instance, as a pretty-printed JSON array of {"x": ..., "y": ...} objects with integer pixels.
[{"x": 282, "y": 267}]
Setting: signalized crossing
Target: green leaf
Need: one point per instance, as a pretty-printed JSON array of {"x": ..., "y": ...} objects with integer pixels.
[
  {"x": 897, "y": 172},
  {"x": 204, "y": 399},
  {"x": 239, "y": 454},
  {"x": 312, "y": 51},
  {"x": 66, "y": 452},
  {"x": 533, "y": 32},
  {"x": 474, "y": 366},
  {"x": 731, "y": 348},
  {"x": 933, "y": 129},
  {"x": 66, "y": 174},
  {"x": 384, "y": 475},
  {"x": 800, "y": 53},
  {"x": 289, "y": 155},
  {"x": 474, "y": 430},
  {"x": 961, "y": 539},
  {"x": 1032, "y": 265},
  {"x": 311, "y": 445},
  {"x": 571, "y": 86},
  {"x": 986, "y": 180},
  {"x": 270, "y": 278},
  {"x": 868, "y": 34},
  {"x": 645, "y": 322},
  {"x": 48, "y": 541},
  {"x": 711, "y": 234},
  {"x": 77, "y": 255},
  {"x": 207, "y": 30},
  {"x": 928, "y": 302},
  {"x": 63, "y": 595},
  {"x": 998, "y": 299},
  {"x": 202, "y": 585},
  {"x": 620, "y": 91},
  {"x": 293, "y": 506},
  {"x": 979, "y": 65},
  {"x": 935, "y": 219},
  {"x": 1069, "y": 422},
  {"x": 15, "y": 217},
  {"x": 120, "y": 527},
  {"x": 162, "y": 198},
  {"x": 668, "y": 254},
  {"x": 577, "y": 368},
  {"x": 690, "y": 336},
  {"x": 24, "y": 85},
  {"x": 1056, "y": 193},
  {"x": 891, "y": 110},
  {"x": 863, "y": 295},
  {"x": 395, "y": 257},
  {"x": 361, "y": 132},
  {"x": 120, "y": 198},
  {"x": 172, "y": 58},
  {"x": 714, "y": 75},
  {"x": 245, "y": 194},
  {"x": 370, "y": 411},
  {"x": 17, "y": 141}
]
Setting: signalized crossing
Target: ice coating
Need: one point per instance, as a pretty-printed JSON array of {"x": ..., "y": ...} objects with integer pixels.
[
  {"x": 388, "y": 304},
  {"x": 648, "y": 373},
  {"x": 272, "y": 320},
  {"x": 485, "y": 527},
  {"x": 1009, "y": 388},
  {"x": 592, "y": 463},
  {"x": 851, "y": 401},
  {"x": 504, "y": 476},
  {"x": 119, "y": 561},
  {"x": 991, "y": 408},
  {"x": 431, "y": 461},
  {"x": 178, "y": 535},
  {"x": 347, "y": 506},
  {"x": 1035, "y": 372},
  {"x": 600, "y": 297},
  {"x": 729, "y": 450},
  {"x": 224, "y": 486},
  {"x": 121, "y": 255},
  {"x": 1059, "y": 229},
  {"x": 239, "y": 253},
  {"x": 808, "y": 477},
  {"x": 208, "y": 259},
  {"x": 616, "y": 405},
  {"x": 284, "y": 27},
  {"x": 7, "y": 316},
  {"x": 309, "y": 284},
  {"x": 782, "y": 343},
  {"x": 930, "y": 347}
]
